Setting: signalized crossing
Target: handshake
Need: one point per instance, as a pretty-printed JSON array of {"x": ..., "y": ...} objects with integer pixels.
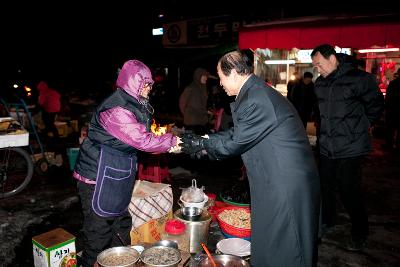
[{"x": 191, "y": 144}]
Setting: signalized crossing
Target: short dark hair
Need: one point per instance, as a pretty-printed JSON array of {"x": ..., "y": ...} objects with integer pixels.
[
  {"x": 237, "y": 60},
  {"x": 308, "y": 74},
  {"x": 325, "y": 50}
]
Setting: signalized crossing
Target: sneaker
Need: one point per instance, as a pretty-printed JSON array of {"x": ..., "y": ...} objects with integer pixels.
[{"x": 356, "y": 244}]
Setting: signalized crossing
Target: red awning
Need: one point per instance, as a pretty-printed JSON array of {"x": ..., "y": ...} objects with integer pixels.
[{"x": 307, "y": 37}]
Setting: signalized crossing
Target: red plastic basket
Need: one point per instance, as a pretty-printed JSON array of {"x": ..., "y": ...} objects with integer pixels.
[{"x": 230, "y": 229}]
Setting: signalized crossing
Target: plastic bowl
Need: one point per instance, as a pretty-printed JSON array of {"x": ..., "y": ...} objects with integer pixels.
[
  {"x": 237, "y": 204},
  {"x": 231, "y": 229},
  {"x": 232, "y": 236},
  {"x": 194, "y": 204},
  {"x": 235, "y": 246}
]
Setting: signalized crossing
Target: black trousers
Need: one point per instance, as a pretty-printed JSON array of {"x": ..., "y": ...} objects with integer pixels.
[
  {"x": 343, "y": 176},
  {"x": 48, "y": 120},
  {"x": 100, "y": 233}
]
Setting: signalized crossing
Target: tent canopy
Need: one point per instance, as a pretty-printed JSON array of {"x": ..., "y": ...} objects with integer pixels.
[{"x": 353, "y": 35}]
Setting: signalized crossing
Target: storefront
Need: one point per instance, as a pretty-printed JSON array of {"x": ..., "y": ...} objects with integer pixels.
[{"x": 283, "y": 48}]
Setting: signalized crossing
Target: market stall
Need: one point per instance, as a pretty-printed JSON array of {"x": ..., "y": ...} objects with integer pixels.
[{"x": 283, "y": 47}]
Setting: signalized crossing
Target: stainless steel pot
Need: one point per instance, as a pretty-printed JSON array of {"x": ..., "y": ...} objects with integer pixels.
[{"x": 196, "y": 230}]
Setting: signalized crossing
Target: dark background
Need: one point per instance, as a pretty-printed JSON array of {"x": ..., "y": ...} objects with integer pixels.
[{"x": 81, "y": 44}]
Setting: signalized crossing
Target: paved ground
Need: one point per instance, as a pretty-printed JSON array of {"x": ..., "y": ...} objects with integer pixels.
[{"x": 51, "y": 201}]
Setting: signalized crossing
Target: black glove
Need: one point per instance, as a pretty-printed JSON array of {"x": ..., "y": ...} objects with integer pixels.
[{"x": 192, "y": 143}]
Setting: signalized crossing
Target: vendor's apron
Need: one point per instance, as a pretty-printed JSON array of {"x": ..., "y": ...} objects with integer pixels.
[{"x": 114, "y": 183}]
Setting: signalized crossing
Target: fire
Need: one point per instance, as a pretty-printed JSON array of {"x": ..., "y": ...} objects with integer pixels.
[{"x": 157, "y": 129}]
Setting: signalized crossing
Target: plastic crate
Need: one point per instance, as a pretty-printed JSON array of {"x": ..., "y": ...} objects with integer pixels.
[{"x": 153, "y": 168}]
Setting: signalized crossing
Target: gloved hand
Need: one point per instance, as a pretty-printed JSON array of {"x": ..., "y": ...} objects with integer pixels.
[{"x": 192, "y": 143}]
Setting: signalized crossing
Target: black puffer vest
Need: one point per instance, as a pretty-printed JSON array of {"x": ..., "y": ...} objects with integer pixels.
[{"x": 87, "y": 162}]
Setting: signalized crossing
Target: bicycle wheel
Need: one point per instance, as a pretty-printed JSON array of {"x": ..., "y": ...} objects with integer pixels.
[{"x": 16, "y": 170}]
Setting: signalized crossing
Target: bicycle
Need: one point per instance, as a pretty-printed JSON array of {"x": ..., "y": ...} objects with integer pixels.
[{"x": 16, "y": 170}]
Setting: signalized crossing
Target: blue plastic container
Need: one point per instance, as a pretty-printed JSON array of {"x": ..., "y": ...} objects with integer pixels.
[{"x": 72, "y": 154}]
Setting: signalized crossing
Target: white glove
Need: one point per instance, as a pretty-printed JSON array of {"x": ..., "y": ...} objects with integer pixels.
[{"x": 177, "y": 148}]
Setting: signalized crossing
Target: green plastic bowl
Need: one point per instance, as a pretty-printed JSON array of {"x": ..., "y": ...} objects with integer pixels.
[{"x": 234, "y": 203}]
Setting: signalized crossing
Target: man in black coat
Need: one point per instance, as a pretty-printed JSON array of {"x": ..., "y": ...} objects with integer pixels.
[
  {"x": 282, "y": 173},
  {"x": 349, "y": 102},
  {"x": 303, "y": 97},
  {"x": 392, "y": 113}
]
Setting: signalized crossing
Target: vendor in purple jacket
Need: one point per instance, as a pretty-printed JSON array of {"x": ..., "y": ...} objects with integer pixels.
[{"x": 107, "y": 161}]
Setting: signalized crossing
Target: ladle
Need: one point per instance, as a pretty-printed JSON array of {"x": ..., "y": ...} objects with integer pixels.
[{"x": 209, "y": 255}]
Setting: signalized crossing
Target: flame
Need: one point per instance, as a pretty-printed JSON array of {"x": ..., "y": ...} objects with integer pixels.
[{"x": 157, "y": 129}]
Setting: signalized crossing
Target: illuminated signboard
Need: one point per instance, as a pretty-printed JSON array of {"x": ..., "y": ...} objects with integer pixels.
[{"x": 304, "y": 56}]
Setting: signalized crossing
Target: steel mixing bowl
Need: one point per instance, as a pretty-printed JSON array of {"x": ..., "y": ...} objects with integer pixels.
[
  {"x": 224, "y": 260},
  {"x": 117, "y": 254},
  {"x": 191, "y": 213}
]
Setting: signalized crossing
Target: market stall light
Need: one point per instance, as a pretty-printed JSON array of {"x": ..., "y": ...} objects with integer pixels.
[
  {"x": 378, "y": 50},
  {"x": 279, "y": 62}
]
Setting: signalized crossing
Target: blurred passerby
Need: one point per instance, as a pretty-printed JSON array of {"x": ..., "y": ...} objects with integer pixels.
[
  {"x": 193, "y": 103},
  {"x": 294, "y": 81},
  {"x": 304, "y": 98},
  {"x": 50, "y": 105},
  {"x": 392, "y": 113}
]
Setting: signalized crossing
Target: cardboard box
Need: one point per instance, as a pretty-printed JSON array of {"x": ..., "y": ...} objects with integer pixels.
[
  {"x": 55, "y": 248},
  {"x": 151, "y": 231}
]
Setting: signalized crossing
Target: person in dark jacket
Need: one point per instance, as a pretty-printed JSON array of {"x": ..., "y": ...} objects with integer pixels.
[
  {"x": 392, "y": 113},
  {"x": 349, "y": 103},
  {"x": 193, "y": 103},
  {"x": 107, "y": 162},
  {"x": 281, "y": 169},
  {"x": 303, "y": 97}
]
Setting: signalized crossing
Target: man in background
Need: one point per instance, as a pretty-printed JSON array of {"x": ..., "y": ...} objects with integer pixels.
[{"x": 349, "y": 103}]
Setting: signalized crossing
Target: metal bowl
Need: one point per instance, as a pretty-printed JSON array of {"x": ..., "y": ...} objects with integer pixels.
[
  {"x": 160, "y": 256},
  {"x": 191, "y": 213},
  {"x": 166, "y": 243},
  {"x": 224, "y": 260},
  {"x": 117, "y": 254}
]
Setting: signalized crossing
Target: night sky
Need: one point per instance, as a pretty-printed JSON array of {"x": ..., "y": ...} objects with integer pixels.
[{"x": 79, "y": 41}]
